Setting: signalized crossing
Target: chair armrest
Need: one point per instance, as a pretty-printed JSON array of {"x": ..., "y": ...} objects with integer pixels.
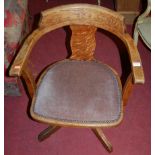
[
  {"x": 21, "y": 58},
  {"x": 136, "y": 64},
  {"x": 19, "y": 66}
]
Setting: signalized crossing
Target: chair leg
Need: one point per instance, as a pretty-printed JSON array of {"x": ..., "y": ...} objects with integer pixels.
[
  {"x": 99, "y": 133},
  {"x": 47, "y": 132}
]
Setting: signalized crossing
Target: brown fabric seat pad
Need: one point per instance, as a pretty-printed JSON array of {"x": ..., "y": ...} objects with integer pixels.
[{"x": 79, "y": 91}]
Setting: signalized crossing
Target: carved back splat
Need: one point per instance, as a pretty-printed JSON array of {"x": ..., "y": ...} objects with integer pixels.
[{"x": 83, "y": 42}]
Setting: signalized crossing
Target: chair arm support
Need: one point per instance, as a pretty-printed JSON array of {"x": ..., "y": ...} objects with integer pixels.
[
  {"x": 136, "y": 64},
  {"x": 29, "y": 80}
]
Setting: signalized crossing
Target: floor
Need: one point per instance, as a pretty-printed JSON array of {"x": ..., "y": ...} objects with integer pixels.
[{"x": 131, "y": 137}]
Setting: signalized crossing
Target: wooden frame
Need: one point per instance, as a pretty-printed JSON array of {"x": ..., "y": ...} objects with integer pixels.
[{"x": 83, "y": 19}]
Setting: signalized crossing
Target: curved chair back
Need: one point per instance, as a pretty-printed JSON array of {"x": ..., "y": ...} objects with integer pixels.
[{"x": 83, "y": 19}]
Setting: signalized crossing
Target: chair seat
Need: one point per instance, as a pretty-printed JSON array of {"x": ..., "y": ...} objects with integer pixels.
[
  {"x": 144, "y": 29},
  {"x": 84, "y": 93}
]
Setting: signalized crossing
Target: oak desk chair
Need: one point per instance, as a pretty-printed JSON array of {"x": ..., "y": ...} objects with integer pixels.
[
  {"x": 79, "y": 91},
  {"x": 143, "y": 26}
]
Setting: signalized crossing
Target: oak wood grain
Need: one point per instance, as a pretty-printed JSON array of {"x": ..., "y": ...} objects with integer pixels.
[
  {"x": 83, "y": 42},
  {"x": 127, "y": 89},
  {"x": 135, "y": 60},
  {"x": 29, "y": 79}
]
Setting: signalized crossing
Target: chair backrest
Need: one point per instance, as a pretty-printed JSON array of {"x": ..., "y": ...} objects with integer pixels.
[
  {"x": 82, "y": 14},
  {"x": 83, "y": 19}
]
